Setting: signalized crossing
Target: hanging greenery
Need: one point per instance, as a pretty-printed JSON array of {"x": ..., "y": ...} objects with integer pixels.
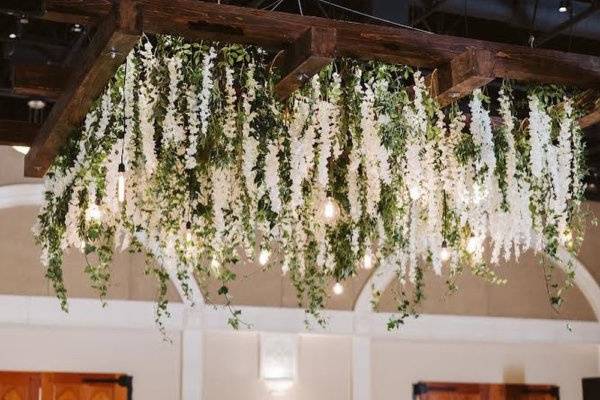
[{"x": 188, "y": 158}]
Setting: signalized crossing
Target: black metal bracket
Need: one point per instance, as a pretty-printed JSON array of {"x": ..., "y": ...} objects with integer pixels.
[
  {"x": 419, "y": 389},
  {"x": 125, "y": 381}
]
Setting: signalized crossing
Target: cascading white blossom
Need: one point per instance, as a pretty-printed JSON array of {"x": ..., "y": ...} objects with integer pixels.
[
  {"x": 173, "y": 125},
  {"x": 229, "y": 124},
  {"x": 483, "y": 194},
  {"x": 146, "y": 100},
  {"x": 272, "y": 177},
  {"x": 221, "y": 191},
  {"x": 562, "y": 178},
  {"x": 249, "y": 144},
  {"x": 541, "y": 155},
  {"x": 374, "y": 154},
  {"x": 416, "y": 118},
  {"x": 193, "y": 127},
  {"x": 301, "y": 146}
]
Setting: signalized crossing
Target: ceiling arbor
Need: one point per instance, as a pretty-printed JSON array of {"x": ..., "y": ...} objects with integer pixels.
[{"x": 64, "y": 52}]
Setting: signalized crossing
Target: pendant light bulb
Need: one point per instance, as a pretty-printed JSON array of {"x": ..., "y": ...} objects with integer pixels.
[
  {"x": 338, "y": 289},
  {"x": 93, "y": 213},
  {"x": 414, "y": 192},
  {"x": 563, "y": 6},
  {"x": 121, "y": 183},
  {"x": 472, "y": 245},
  {"x": 329, "y": 209},
  {"x": 367, "y": 261},
  {"x": 188, "y": 231},
  {"x": 445, "y": 252},
  {"x": 263, "y": 257}
]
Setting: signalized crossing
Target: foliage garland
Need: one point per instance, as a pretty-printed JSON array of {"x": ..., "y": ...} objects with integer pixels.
[{"x": 360, "y": 165}]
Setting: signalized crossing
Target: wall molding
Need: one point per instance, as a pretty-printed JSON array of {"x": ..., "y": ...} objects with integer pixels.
[
  {"x": 19, "y": 195},
  {"x": 119, "y": 314}
]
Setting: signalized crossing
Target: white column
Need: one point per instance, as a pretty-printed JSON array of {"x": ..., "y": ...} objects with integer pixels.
[
  {"x": 192, "y": 356},
  {"x": 361, "y": 368}
]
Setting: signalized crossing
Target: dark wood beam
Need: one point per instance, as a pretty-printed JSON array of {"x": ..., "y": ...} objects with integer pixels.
[
  {"x": 592, "y": 117},
  {"x": 115, "y": 36},
  {"x": 463, "y": 74},
  {"x": 17, "y": 133},
  {"x": 306, "y": 57},
  {"x": 87, "y": 12},
  {"x": 198, "y": 20}
]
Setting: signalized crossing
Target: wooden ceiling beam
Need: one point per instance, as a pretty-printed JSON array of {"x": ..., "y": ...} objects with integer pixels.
[
  {"x": 88, "y": 12},
  {"x": 307, "y": 56},
  {"x": 463, "y": 74},
  {"x": 17, "y": 133},
  {"x": 199, "y": 20},
  {"x": 115, "y": 36}
]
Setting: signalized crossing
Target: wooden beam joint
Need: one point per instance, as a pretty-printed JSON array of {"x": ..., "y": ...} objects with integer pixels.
[
  {"x": 466, "y": 72},
  {"x": 115, "y": 36},
  {"x": 312, "y": 51}
]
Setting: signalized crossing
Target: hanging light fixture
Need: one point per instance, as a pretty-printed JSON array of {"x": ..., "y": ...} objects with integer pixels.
[
  {"x": 414, "y": 192},
  {"x": 338, "y": 288},
  {"x": 93, "y": 213},
  {"x": 563, "y": 6},
  {"x": 472, "y": 244},
  {"x": 121, "y": 183},
  {"x": 445, "y": 252},
  {"x": 263, "y": 256},
  {"x": 188, "y": 231},
  {"x": 330, "y": 210},
  {"x": 367, "y": 261},
  {"x": 278, "y": 355}
]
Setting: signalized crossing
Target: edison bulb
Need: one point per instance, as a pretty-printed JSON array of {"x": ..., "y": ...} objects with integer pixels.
[
  {"x": 121, "y": 183},
  {"x": 263, "y": 257},
  {"x": 472, "y": 244},
  {"x": 329, "y": 209},
  {"x": 338, "y": 288},
  {"x": 444, "y": 253},
  {"x": 414, "y": 192},
  {"x": 367, "y": 261},
  {"x": 93, "y": 213}
]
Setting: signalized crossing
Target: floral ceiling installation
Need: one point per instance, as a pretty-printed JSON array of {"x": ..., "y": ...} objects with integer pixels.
[{"x": 188, "y": 158}]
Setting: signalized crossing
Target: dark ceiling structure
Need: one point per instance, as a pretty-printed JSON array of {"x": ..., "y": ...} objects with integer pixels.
[{"x": 39, "y": 47}]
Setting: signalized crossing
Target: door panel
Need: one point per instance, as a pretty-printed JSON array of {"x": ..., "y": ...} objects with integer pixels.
[
  {"x": 60, "y": 386},
  {"x": 471, "y": 391}
]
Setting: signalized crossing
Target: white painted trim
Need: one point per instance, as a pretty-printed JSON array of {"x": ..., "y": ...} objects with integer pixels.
[
  {"x": 192, "y": 364},
  {"x": 361, "y": 368},
  {"x": 87, "y": 313},
  {"x": 25, "y": 194}
]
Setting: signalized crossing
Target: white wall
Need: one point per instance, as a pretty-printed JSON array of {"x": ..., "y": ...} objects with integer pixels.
[
  {"x": 396, "y": 365},
  {"x": 231, "y": 362},
  {"x": 231, "y": 368},
  {"x": 154, "y": 364}
]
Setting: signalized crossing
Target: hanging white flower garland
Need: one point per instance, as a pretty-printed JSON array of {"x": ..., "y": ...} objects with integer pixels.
[{"x": 332, "y": 179}]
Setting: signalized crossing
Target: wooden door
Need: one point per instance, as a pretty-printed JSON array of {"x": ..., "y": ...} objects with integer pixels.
[
  {"x": 19, "y": 386},
  {"x": 60, "y": 386},
  {"x": 475, "y": 391},
  {"x": 63, "y": 386}
]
